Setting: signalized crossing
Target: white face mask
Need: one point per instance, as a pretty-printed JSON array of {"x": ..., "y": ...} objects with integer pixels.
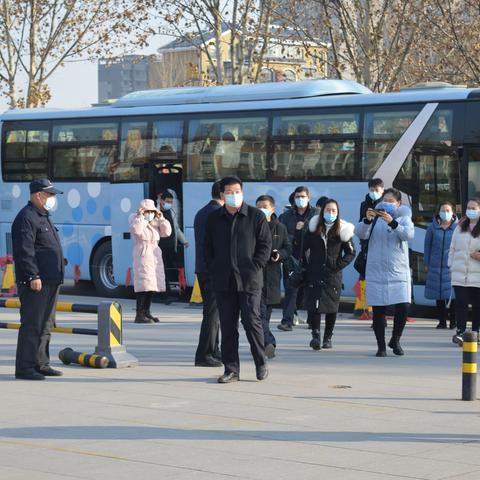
[
  {"x": 149, "y": 216},
  {"x": 266, "y": 212},
  {"x": 301, "y": 202},
  {"x": 167, "y": 206},
  {"x": 472, "y": 214},
  {"x": 50, "y": 203},
  {"x": 375, "y": 195},
  {"x": 233, "y": 199}
]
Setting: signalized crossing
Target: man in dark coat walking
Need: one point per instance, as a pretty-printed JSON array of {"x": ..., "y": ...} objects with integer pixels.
[
  {"x": 238, "y": 244},
  {"x": 295, "y": 218},
  {"x": 272, "y": 273},
  {"x": 39, "y": 270},
  {"x": 208, "y": 353}
]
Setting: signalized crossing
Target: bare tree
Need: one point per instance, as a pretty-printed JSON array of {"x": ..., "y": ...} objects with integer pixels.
[
  {"x": 38, "y": 36},
  {"x": 212, "y": 27},
  {"x": 370, "y": 40}
]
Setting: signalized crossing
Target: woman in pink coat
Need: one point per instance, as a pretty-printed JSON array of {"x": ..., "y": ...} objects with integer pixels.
[{"x": 146, "y": 227}]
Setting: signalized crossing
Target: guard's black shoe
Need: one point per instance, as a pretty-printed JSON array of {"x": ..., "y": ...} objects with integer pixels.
[
  {"x": 453, "y": 324},
  {"x": 441, "y": 325},
  {"x": 209, "y": 361},
  {"x": 30, "y": 376},
  {"x": 262, "y": 372},
  {"x": 394, "y": 344},
  {"x": 315, "y": 344},
  {"x": 327, "y": 343},
  {"x": 381, "y": 353},
  {"x": 270, "y": 350},
  {"x": 228, "y": 377},
  {"x": 151, "y": 317},
  {"x": 49, "y": 372},
  {"x": 458, "y": 338},
  {"x": 284, "y": 327}
]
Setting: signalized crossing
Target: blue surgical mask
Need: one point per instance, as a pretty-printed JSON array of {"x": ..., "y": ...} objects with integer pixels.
[
  {"x": 375, "y": 195},
  {"x": 329, "y": 217},
  {"x": 266, "y": 212},
  {"x": 167, "y": 206},
  {"x": 390, "y": 208},
  {"x": 149, "y": 216},
  {"x": 445, "y": 216},
  {"x": 301, "y": 202},
  {"x": 472, "y": 214},
  {"x": 50, "y": 203},
  {"x": 234, "y": 200}
]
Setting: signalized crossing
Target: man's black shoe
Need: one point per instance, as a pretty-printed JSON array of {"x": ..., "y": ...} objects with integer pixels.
[
  {"x": 30, "y": 376},
  {"x": 262, "y": 372},
  {"x": 49, "y": 372},
  {"x": 270, "y": 350},
  {"x": 228, "y": 377},
  {"x": 209, "y": 361},
  {"x": 284, "y": 327}
]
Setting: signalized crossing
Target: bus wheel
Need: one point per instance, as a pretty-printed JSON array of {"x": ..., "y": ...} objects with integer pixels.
[{"x": 102, "y": 272}]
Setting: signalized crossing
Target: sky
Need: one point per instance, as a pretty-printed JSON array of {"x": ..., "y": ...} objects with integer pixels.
[{"x": 76, "y": 84}]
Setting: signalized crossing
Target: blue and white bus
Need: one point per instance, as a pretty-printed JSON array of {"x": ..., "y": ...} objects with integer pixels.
[{"x": 330, "y": 135}]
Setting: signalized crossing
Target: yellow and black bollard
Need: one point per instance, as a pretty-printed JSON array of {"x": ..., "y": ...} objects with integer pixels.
[
  {"x": 68, "y": 356},
  {"x": 469, "y": 375}
]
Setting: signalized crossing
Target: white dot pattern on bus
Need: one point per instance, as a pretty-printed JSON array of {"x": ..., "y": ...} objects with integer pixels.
[
  {"x": 16, "y": 191},
  {"x": 73, "y": 198},
  {"x": 125, "y": 205},
  {"x": 94, "y": 189}
]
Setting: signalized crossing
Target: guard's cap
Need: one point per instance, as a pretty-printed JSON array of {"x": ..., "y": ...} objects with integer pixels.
[{"x": 43, "y": 185}]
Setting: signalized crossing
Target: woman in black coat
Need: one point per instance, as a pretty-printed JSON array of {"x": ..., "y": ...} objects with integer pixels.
[
  {"x": 272, "y": 273},
  {"x": 328, "y": 249}
]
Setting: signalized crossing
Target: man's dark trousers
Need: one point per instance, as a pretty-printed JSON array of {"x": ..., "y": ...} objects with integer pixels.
[
  {"x": 231, "y": 304},
  {"x": 208, "y": 340},
  {"x": 37, "y": 317}
]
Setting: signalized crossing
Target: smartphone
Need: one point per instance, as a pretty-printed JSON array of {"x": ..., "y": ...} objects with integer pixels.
[{"x": 379, "y": 210}]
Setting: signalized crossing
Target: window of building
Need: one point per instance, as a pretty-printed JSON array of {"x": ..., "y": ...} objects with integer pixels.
[
  {"x": 289, "y": 75},
  {"x": 218, "y": 147},
  {"x": 266, "y": 75},
  {"x": 26, "y": 153}
]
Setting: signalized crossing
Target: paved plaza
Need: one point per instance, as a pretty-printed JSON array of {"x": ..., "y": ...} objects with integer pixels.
[{"x": 339, "y": 414}]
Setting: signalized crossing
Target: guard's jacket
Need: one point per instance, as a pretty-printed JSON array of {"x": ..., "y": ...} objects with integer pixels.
[{"x": 37, "y": 252}]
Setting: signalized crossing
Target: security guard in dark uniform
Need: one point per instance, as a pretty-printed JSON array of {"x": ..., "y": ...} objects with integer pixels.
[{"x": 39, "y": 270}]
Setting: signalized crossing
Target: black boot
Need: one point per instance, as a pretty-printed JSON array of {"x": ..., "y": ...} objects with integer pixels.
[
  {"x": 329, "y": 326},
  {"x": 394, "y": 343},
  {"x": 442, "y": 324},
  {"x": 315, "y": 342},
  {"x": 380, "y": 336},
  {"x": 141, "y": 317},
  {"x": 151, "y": 317}
]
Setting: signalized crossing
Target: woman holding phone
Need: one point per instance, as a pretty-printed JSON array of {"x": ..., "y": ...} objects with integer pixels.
[{"x": 388, "y": 230}]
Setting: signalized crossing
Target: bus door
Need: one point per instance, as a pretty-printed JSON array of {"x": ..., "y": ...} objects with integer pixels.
[
  {"x": 165, "y": 168},
  {"x": 430, "y": 175},
  {"x": 472, "y": 187}
]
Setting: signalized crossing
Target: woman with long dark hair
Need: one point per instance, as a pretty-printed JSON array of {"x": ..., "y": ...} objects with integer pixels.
[
  {"x": 464, "y": 263},
  {"x": 328, "y": 249},
  {"x": 388, "y": 229},
  {"x": 438, "y": 286}
]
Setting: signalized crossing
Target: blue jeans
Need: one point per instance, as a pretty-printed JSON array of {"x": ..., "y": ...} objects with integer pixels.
[
  {"x": 289, "y": 304},
  {"x": 266, "y": 313}
]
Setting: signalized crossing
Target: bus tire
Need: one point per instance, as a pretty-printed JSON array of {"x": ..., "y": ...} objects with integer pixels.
[{"x": 102, "y": 272}]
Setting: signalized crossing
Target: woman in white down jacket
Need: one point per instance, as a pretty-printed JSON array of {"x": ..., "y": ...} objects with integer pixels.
[{"x": 464, "y": 263}]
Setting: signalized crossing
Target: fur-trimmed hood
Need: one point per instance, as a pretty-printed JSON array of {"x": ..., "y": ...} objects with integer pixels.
[
  {"x": 403, "y": 211},
  {"x": 346, "y": 228}
]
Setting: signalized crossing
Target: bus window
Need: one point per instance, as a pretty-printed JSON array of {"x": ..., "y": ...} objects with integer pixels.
[
  {"x": 134, "y": 153},
  {"x": 26, "y": 153},
  {"x": 473, "y": 172},
  {"x": 383, "y": 128},
  {"x": 320, "y": 124},
  {"x": 167, "y": 139},
  {"x": 84, "y": 151},
  {"x": 233, "y": 146},
  {"x": 314, "y": 160}
]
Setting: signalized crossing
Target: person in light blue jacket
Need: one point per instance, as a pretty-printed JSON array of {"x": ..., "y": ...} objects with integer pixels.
[
  {"x": 388, "y": 230},
  {"x": 437, "y": 245}
]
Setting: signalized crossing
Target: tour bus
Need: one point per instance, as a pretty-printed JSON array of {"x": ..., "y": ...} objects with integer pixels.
[{"x": 330, "y": 135}]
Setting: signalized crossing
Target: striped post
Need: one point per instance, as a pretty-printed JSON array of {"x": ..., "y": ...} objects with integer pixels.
[
  {"x": 68, "y": 356},
  {"x": 60, "y": 306},
  {"x": 74, "y": 330},
  {"x": 469, "y": 375},
  {"x": 110, "y": 342}
]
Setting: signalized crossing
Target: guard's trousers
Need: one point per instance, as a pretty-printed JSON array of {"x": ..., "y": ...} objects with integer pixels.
[
  {"x": 231, "y": 305},
  {"x": 37, "y": 317},
  {"x": 208, "y": 339}
]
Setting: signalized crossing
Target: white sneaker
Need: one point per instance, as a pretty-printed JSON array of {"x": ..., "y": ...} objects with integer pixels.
[{"x": 297, "y": 319}]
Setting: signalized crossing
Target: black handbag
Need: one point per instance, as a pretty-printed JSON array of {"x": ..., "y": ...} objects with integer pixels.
[
  {"x": 360, "y": 264},
  {"x": 295, "y": 269}
]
